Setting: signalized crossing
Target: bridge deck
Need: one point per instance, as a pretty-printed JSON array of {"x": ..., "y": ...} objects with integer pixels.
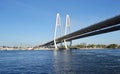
[{"x": 105, "y": 26}]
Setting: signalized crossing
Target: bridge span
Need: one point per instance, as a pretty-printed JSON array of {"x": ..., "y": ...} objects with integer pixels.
[{"x": 108, "y": 25}]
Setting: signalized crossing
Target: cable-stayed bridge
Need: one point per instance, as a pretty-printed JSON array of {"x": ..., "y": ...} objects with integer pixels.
[{"x": 108, "y": 25}]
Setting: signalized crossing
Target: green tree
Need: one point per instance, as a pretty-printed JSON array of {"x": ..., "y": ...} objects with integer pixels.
[
  {"x": 82, "y": 45},
  {"x": 91, "y": 46},
  {"x": 112, "y": 46},
  {"x": 119, "y": 46}
]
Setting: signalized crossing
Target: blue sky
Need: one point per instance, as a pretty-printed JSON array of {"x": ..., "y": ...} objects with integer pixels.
[{"x": 31, "y": 22}]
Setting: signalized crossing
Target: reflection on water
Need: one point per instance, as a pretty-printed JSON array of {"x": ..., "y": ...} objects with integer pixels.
[
  {"x": 87, "y": 62},
  {"x": 60, "y": 62}
]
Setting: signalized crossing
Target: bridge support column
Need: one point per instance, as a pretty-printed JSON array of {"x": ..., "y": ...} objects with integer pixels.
[
  {"x": 55, "y": 44},
  {"x": 65, "y": 44},
  {"x": 67, "y": 28},
  {"x": 70, "y": 43},
  {"x": 57, "y": 25}
]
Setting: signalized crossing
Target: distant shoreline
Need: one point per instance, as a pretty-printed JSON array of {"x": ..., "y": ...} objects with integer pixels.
[{"x": 58, "y": 49}]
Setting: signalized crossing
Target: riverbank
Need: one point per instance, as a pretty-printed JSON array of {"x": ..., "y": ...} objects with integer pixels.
[{"x": 59, "y": 49}]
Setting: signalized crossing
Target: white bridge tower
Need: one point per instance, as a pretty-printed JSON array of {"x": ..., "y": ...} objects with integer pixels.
[
  {"x": 57, "y": 25},
  {"x": 67, "y": 30}
]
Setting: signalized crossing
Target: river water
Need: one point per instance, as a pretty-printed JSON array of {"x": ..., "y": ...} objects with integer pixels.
[{"x": 104, "y": 61}]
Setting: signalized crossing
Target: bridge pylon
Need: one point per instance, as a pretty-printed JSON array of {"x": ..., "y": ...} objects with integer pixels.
[
  {"x": 57, "y": 26},
  {"x": 67, "y": 29}
]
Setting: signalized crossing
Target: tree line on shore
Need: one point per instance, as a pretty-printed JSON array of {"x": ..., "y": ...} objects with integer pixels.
[
  {"x": 84, "y": 45},
  {"x": 81, "y": 45},
  {"x": 12, "y": 47}
]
